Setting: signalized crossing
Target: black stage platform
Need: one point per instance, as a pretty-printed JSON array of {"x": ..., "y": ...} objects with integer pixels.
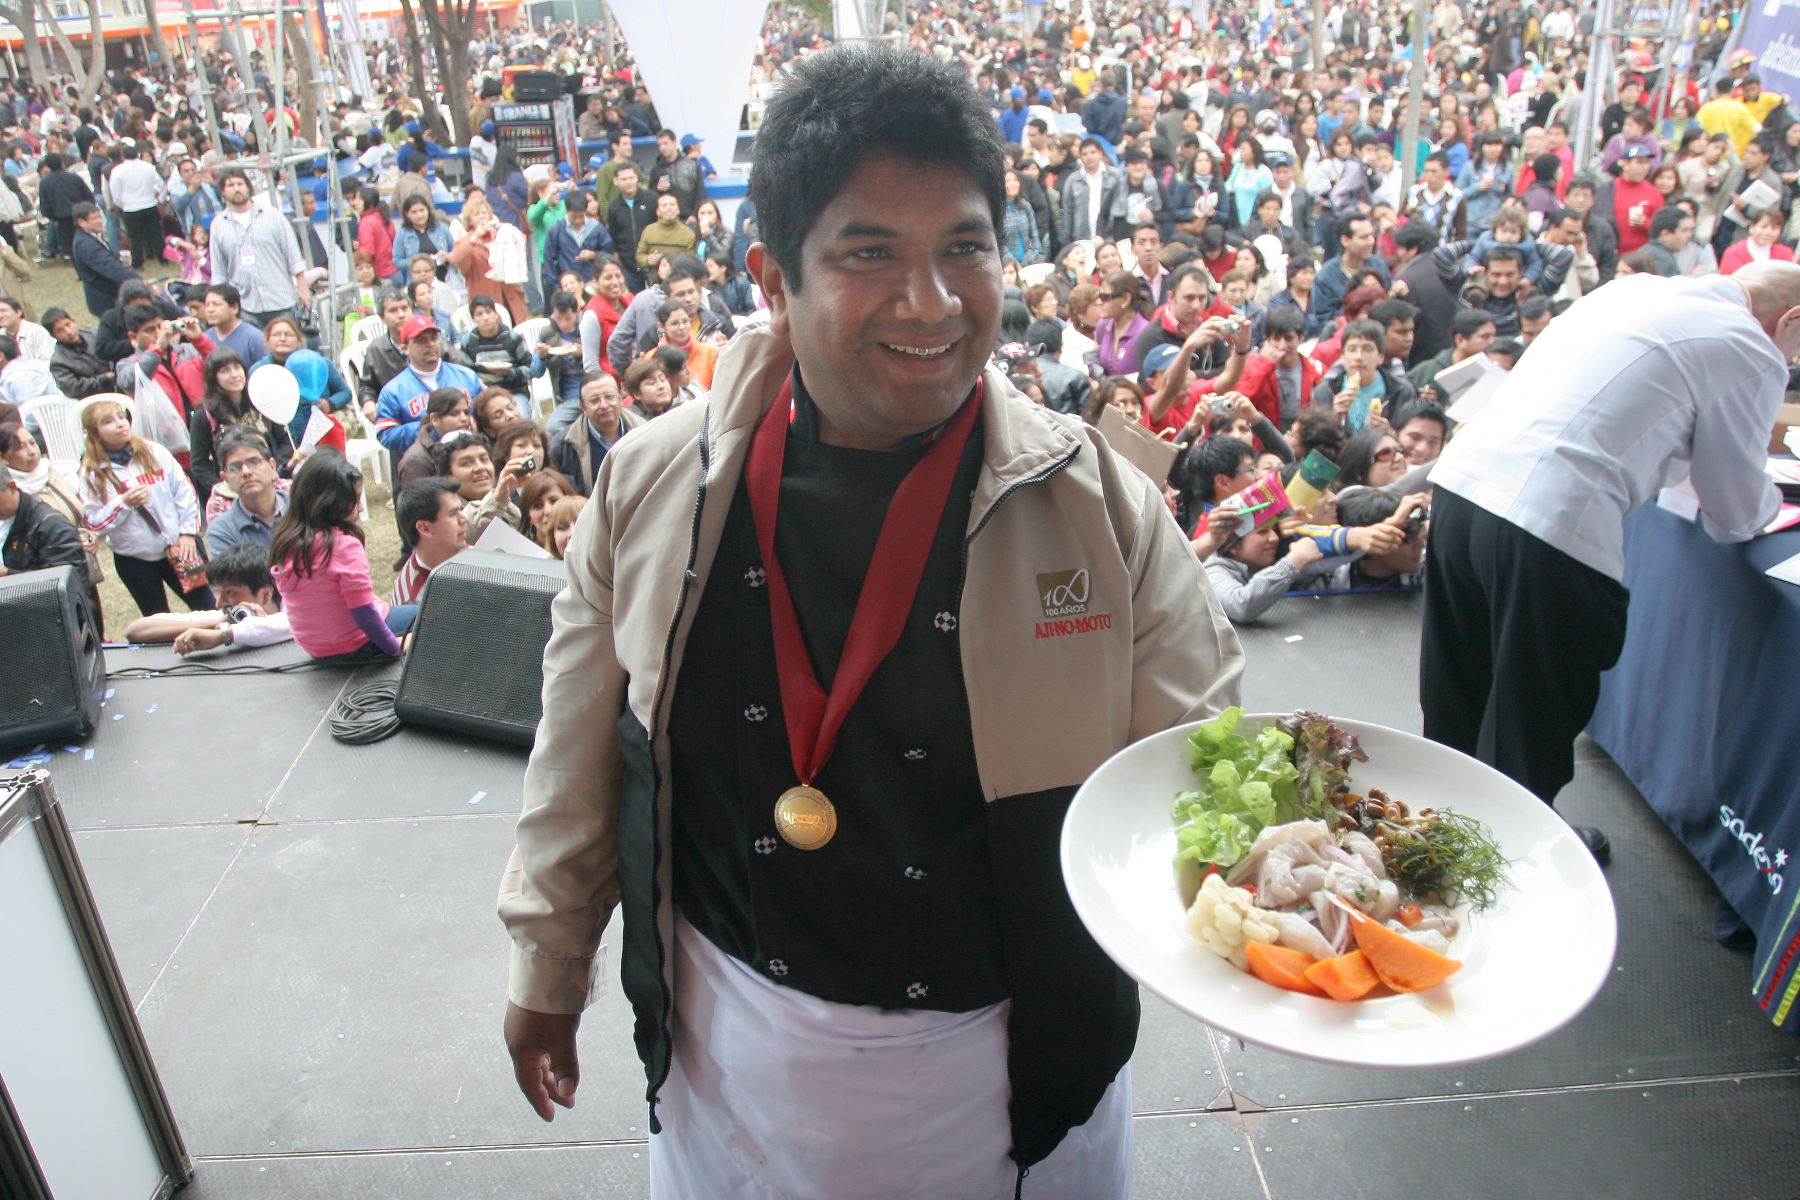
[{"x": 308, "y": 931}]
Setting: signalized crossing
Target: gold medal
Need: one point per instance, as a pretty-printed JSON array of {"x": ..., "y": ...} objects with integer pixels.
[{"x": 804, "y": 818}]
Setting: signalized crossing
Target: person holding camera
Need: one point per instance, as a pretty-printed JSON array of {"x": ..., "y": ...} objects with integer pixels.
[{"x": 1172, "y": 406}]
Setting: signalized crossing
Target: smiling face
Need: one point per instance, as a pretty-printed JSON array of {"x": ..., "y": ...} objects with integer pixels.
[
  {"x": 900, "y": 302},
  {"x": 474, "y": 470}
]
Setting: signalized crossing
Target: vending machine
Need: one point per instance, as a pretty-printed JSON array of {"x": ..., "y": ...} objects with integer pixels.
[{"x": 539, "y": 131}]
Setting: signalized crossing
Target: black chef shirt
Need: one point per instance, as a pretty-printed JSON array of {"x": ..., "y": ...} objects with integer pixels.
[{"x": 898, "y": 909}]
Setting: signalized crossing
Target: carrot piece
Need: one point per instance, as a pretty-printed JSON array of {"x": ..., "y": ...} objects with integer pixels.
[
  {"x": 1401, "y": 963},
  {"x": 1347, "y": 977},
  {"x": 1281, "y": 967}
]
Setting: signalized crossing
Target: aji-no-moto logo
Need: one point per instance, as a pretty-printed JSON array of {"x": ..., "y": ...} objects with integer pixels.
[{"x": 1065, "y": 593}]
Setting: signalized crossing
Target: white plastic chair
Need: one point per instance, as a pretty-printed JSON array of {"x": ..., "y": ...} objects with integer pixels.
[
  {"x": 362, "y": 448},
  {"x": 55, "y": 417},
  {"x": 531, "y": 330},
  {"x": 462, "y": 321},
  {"x": 366, "y": 330},
  {"x": 1035, "y": 274},
  {"x": 351, "y": 362}
]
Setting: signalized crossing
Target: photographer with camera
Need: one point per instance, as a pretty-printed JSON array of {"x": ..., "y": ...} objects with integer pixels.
[
  {"x": 249, "y": 612},
  {"x": 1172, "y": 405}
]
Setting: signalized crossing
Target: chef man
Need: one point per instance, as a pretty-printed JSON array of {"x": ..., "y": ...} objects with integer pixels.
[
  {"x": 836, "y": 649},
  {"x": 1646, "y": 383}
]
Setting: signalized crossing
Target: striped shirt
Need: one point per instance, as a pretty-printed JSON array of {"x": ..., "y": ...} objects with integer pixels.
[{"x": 410, "y": 581}]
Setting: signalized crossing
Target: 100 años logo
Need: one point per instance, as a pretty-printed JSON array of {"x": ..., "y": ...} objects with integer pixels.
[
  {"x": 1065, "y": 593},
  {"x": 1767, "y": 865}
]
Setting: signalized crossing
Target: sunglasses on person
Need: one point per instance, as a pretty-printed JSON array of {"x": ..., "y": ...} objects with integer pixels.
[
  {"x": 1389, "y": 453},
  {"x": 1109, "y": 295}
]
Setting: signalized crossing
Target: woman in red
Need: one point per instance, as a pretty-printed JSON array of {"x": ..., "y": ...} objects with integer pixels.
[
  {"x": 374, "y": 230},
  {"x": 1762, "y": 245},
  {"x": 603, "y": 312}
]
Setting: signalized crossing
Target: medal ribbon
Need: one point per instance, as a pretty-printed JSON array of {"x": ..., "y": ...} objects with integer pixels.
[{"x": 888, "y": 590}]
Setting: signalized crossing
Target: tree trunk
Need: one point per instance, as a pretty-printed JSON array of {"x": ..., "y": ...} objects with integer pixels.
[
  {"x": 24, "y": 19},
  {"x": 158, "y": 46},
  {"x": 88, "y": 77},
  {"x": 452, "y": 26},
  {"x": 300, "y": 53},
  {"x": 415, "y": 53}
]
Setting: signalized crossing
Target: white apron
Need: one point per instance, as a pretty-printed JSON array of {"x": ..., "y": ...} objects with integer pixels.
[{"x": 777, "y": 1095}]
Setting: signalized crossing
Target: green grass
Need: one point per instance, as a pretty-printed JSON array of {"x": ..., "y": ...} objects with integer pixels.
[{"x": 55, "y": 285}]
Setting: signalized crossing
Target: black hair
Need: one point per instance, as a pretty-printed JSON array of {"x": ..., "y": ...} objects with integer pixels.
[
  {"x": 418, "y": 501},
  {"x": 1214, "y": 456},
  {"x": 1046, "y": 333},
  {"x": 1318, "y": 429},
  {"x": 1364, "y": 505},
  {"x": 686, "y": 265},
  {"x": 140, "y": 315},
  {"x": 244, "y": 565},
  {"x": 1536, "y": 308},
  {"x": 1357, "y": 456},
  {"x": 1468, "y": 321},
  {"x": 561, "y": 301},
  {"x": 667, "y": 309},
  {"x": 1564, "y": 214},
  {"x": 1344, "y": 230},
  {"x": 674, "y": 360},
  {"x": 82, "y": 210},
  {"x": 239, "y": 437},
  {"x": 1440, "y": 158},
  {"x": 479, "y": 301},
  {"x": 321, "y": 505},
  {"x": 445, "y": 400},
  {"x": 51, "y": 316},
  {"x": 1284, "y": 320},
  {"x": 1583, "y": 180},
  {"x": 1389, "y": 312},
  {"x": 1366, "y": 330},
  {"x": 1421, "y": 410},
  {"x": 1504, "y": 252},
  {"x": 856, "y": 100},
  {"x": 450, "y": 443},
  {"x": 1667, "y": 220},
  {"x": 217, "y": 403},
  {"x": 1546, "y": 167},
  {"x": 226, "y": 292},
  {"x": 1015, "y": 319}
]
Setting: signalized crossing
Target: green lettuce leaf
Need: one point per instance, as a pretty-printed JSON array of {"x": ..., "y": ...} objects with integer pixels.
[{"x": 1243, "y": 787}]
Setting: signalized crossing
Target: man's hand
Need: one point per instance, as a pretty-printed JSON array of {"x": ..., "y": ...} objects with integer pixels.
[
  {"x": 542, "y": 1046},
  {"x": 1245, "y": 409},
  {"x": 1205, "y": 334},
  {"x": 1405, "y": 509},
  {"x": 1375, "y": 539},
  {"x": 192, "y": 641},
  {"x": 1304, "y": 552},
  {"x": 585, "y": 256}
]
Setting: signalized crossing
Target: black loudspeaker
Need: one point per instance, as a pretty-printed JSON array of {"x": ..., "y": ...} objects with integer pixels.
[
  {"x": 536, "y": 86},
  {"x": 54, "y": 673},
  {"x": 476, "y": 664}
]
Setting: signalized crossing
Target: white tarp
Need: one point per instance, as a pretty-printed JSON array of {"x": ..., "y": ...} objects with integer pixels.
[{"x": 695, "y": 59}]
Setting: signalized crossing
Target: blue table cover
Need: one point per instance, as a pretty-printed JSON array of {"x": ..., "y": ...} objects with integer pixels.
[{"x": 1701, "y": 715}]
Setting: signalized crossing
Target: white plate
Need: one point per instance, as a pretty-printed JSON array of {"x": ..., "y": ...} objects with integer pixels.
[{"x": 1529, "y": 964}]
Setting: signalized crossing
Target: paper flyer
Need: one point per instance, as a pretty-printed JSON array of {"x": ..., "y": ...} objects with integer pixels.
[{"x": 317, "y": 426}]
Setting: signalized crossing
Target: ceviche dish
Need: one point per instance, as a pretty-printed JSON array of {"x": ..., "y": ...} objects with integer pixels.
[{"x": 1312, "y": 886}]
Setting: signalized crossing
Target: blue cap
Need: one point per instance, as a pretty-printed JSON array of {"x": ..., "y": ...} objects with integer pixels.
[
  {"x": 563, "y": 171},
  {"x": 411, "y": 127},
  {"x": 689, "y": 141},
  {"x": 1018, "y": 93},
  {"x": 1044, "y": 96},
  {"x": 487, "y": 129},
  {"x": 1159, "y": 358},
  {"x": 598, "y": 159}
]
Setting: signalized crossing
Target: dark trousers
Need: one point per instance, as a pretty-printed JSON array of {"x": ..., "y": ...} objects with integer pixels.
[
  {"x": 65, "y": 238},
  {"x": 1517, "y": 634},
  {"x": 144, "y": 579},
  {"x": 144, "y": 228}
]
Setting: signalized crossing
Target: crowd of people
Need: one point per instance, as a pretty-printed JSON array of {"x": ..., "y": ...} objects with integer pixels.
[{"x": 1202, "y": 229}]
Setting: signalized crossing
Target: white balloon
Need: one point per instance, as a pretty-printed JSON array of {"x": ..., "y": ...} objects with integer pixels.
[{"x": 275, "y": 392}]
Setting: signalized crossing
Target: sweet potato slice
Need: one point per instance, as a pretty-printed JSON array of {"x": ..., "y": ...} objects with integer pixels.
[
  {"x": 1281, "y": 967},
  {"x": 1400, "y": 962},
  {"x": 1347, "y": 977}
]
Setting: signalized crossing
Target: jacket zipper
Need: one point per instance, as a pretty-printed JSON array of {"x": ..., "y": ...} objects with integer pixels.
[
  {"x": 962, "y": 575},
  {"x": 662, "y": 686}
]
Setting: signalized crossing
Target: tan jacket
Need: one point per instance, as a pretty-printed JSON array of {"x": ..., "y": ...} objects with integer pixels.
[{"x": 1050, "y": 697}]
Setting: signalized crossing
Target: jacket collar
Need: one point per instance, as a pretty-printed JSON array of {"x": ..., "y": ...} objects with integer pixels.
[{"x": 1019, "y": 439}]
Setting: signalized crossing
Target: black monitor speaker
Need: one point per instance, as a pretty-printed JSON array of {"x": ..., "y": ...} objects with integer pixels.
[
  {"x": 476, "y": 663},
  {"x": 536, "y": 86},
  {"x": 54, "y": 673}
]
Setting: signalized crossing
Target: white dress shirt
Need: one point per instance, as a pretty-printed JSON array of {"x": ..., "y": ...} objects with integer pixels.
[
  {"x": 35, "y": 341},
  {"x": 135, "y": 185},
  {"x": 1096, "y": 186},
  {"x": 1646, "y": 383}
]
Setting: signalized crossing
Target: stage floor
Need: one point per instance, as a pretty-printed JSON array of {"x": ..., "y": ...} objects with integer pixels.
[{"x": 308, "y": 933}]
